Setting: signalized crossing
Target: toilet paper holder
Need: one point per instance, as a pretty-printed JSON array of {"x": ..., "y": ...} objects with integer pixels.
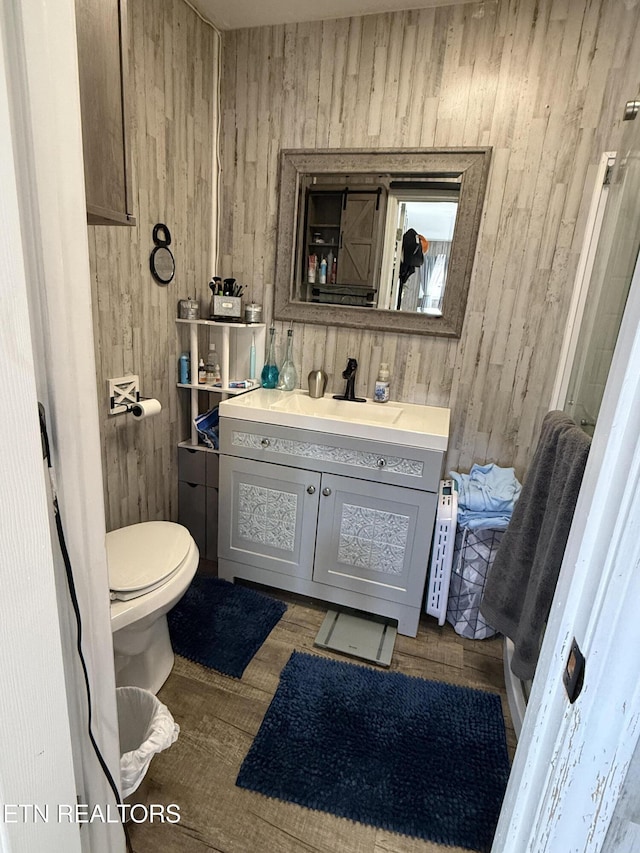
[{"x": 124, "y": 396}]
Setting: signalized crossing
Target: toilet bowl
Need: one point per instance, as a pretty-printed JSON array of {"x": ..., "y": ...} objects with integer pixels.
[{"x": 150, "y": 567}]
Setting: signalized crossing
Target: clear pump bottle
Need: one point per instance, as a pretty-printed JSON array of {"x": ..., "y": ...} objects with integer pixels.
[{"x": 212, "y": 367}]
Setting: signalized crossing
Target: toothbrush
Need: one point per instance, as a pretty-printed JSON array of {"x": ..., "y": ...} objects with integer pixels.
[{"x": 252, "y": 357}]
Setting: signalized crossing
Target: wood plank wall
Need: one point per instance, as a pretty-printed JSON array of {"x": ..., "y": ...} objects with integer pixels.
[
  {"x": 542, "y": 81},
  {"x": 172, "y": 65}
]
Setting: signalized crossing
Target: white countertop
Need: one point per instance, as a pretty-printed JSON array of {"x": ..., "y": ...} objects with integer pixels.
[{"x": 406, "y": 424}]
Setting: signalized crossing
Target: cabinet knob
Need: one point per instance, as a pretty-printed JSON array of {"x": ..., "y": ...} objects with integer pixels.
[
  {"x": 381, "y": 462},
  {"x": 326, "y": 491},
  {"x": 265, "y": 442},
  {"x": 311, "y": 490}
]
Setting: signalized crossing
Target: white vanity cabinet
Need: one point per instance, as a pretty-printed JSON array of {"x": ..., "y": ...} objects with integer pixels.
[{"x": 343, "y": 519}]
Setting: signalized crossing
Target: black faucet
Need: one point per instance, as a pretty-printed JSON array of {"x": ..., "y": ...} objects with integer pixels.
[{"x": 349, "y": 373}]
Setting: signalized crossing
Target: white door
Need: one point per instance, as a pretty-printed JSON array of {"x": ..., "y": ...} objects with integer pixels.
[
  {"x": 572, "y": 759},
  {"x": 43, "y": 221},
  {"x": 36, "y": 760}
]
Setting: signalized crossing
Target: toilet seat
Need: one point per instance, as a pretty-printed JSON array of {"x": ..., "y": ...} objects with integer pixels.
[{"x": 142, "y": 557}]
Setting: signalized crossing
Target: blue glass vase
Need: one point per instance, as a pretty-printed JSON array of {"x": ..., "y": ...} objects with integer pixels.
[{"x": 270, "y": 374}]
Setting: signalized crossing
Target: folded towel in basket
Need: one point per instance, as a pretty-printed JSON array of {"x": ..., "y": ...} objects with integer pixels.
[{"x": 486, "y": 496}]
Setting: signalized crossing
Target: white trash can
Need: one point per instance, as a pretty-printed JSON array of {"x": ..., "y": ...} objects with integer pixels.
[{"x": 146, "y": 728}]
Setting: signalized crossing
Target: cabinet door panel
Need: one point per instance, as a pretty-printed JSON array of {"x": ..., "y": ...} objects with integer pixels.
[
  {"x": 356, "y": 258},
  {"x": 192, "y": 466},
  {"x": 268, "y": 515},
  {"x": 102, "y": 68},
  {"x": 374, "y": 538}
]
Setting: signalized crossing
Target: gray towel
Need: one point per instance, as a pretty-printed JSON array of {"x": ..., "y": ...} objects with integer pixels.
[{"x": 520, "y": 587}]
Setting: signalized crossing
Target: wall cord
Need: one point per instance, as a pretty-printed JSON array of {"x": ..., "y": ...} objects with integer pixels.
[{"x": 78, "y": 616}]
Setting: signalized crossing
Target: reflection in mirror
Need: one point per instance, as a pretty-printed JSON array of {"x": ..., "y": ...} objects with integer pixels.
[
  {"x": 385, "y": 247},
  {"x": 380, "y": 239},
  {"x": 417, "y": 246},
  {"x": 339, "y": 239}
]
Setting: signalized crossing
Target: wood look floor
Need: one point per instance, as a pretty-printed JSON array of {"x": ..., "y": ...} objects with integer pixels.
[{"x": 220, "y": 716}]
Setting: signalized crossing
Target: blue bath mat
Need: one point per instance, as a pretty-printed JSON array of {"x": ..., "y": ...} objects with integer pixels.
[
  {"x": 421, "y": 758},
  {"x": 221, "y": 625}
]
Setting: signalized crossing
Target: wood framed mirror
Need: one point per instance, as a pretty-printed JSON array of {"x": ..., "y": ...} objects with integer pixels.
[{"x": 380, "y": 239}]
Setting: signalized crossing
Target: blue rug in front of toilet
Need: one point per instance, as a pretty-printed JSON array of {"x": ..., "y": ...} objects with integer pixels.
[
  {"x": 221, "y": 625},
  {"x": 422, "y": 758}
]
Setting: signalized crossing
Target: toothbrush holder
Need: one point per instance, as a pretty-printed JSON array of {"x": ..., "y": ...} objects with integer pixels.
[{"x": 317, "y": 383}]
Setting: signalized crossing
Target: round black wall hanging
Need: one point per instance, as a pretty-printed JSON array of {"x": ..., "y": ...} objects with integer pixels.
[{"x": 162, "y": 262}]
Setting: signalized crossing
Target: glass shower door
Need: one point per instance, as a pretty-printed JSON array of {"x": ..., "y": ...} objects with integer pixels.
[{"x": 613, "y": 267}]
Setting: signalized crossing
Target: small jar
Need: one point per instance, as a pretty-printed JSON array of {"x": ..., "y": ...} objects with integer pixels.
[
  {"x": 252, "y": 313},
  {"x": 188, "y": 309}
]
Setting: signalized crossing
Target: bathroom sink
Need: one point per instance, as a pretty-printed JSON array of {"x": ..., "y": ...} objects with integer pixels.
[
  {"x": 407, "y": 424},
  {"x": 327, "y": 407}
]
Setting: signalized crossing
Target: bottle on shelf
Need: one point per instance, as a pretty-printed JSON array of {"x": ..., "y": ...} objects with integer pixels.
[
  {"x": 202, "y": 373},
  {"x": 311, "y": 273},
  {"x": 212, "y": 367},
  {"x": 270, "y": 374},
  {"x": 323, "y": 271},
  {"x": 184, "y": 367},
  {"x": 333, "y": 274},
  {"x": 288, "y": 374},
  {"x": 330, "y": 258}
]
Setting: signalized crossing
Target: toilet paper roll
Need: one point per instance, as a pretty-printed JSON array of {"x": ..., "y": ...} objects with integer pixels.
[{"x": 146, "y": 408}]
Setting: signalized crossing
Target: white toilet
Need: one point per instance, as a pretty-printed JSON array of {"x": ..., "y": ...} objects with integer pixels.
[{"x": 150, "y": 567}]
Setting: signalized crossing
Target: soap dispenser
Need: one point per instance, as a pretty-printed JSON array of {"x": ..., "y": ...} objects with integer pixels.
[{"x": 381, "y": 392}]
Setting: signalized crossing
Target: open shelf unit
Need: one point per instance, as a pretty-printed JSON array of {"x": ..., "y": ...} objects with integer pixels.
[{"x": 232, "y": 342}]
